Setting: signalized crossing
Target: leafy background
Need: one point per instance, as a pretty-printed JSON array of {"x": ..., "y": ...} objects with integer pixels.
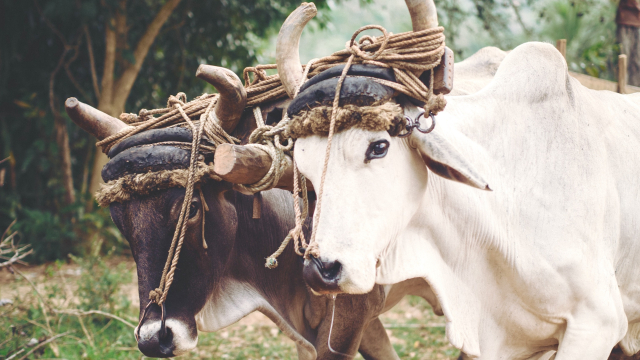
[
  {"x": 230, "y": 33},
  {"x": 47, "y": 163}
]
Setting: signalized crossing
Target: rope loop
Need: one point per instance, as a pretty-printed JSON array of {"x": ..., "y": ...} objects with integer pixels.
[{"x": 355, "y": 50}]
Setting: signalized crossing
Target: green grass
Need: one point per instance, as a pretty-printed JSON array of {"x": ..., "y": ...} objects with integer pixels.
[{"x": 93, "y": 283}]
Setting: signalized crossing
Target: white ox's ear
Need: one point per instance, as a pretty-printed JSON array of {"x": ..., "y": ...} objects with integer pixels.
[{"x": 444, "y": 160}]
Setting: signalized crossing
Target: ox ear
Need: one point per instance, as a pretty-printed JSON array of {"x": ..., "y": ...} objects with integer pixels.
[{"x": 444, "y": 160}]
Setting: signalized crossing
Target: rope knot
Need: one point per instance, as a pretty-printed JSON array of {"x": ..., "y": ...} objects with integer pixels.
[
  {"x": 155, "y": 295},
  {"x": 436, "y": 103},
  {"x": 128, "y": 118},
  {"x": 179, "y": 98},
  {"x": 271, "y": 263},
  {"x": 355, "y": 49}
]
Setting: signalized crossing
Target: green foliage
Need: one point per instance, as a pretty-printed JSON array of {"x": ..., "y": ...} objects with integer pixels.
[
  {"x": 99, "y": 283},
  {"x": 218, "y": 32},
  {"x": 51, "y": 310}
]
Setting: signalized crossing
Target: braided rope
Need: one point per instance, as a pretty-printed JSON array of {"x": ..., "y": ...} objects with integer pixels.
[
  {"x": 159, "y": 295},
  {"x": 408, "y": 53},
  {"x": 313, "y": 249}
]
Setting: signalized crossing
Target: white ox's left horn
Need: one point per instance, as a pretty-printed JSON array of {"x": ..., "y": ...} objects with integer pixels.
[
  {"x": 288, "y": 44},
  {"x": 444, "y": 160},
  {"x": 423, "y": 14}
]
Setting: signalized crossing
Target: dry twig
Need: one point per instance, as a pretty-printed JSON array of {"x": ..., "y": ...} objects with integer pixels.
[{"x": 76, "y": 312}]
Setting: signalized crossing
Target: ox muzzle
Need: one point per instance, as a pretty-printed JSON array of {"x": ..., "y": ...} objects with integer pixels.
[{"x": 163, "y": 338}]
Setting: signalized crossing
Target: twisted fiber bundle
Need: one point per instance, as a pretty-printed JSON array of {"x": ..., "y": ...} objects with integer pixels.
[
  {"x": 129, "y": 186},
  {"x": 407, "y": 53},
  {"x": 316, "y": 121}
]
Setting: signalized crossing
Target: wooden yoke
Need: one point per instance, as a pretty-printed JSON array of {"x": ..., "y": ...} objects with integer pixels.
[
  {"x": 245, "y": 165},
  {"x": 443, "y": 73}
]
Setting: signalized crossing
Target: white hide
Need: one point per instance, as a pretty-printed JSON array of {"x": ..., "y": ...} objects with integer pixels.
[
  {"x": 548, "y": 260},
  {"x": 476, "y": 71}
]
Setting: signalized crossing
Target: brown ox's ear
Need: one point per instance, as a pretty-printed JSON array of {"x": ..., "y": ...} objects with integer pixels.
[{"x": 444, "y": 160}]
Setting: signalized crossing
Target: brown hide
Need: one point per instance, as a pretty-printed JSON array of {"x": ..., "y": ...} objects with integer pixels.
[{"x": 237, "y": 247}]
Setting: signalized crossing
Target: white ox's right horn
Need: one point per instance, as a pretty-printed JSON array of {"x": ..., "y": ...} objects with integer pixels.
[
  {"x": 288, "y": 44},
  {"x": 423, "y": 14}
]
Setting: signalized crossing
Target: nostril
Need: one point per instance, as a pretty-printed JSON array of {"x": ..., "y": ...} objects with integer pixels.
[
  {"x": 322, "y": 276},
  {"x": 330, "y": 269}
]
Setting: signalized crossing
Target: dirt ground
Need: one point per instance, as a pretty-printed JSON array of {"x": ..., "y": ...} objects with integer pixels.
[{"x": 414, "y": 330}]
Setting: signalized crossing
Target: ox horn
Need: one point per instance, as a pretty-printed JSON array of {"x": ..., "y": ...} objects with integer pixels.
[
  {"x": 423, "y": 14},
  {"x": 233, "y": 96},
  {"x": 288, "y": 44},
  {"x": 92, "y": 120}
]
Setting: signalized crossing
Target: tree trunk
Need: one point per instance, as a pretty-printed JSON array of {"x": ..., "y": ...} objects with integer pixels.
[
  {"x": 62, "y": 139},
  {"x": 114, "y": 92},
  {"x": 629, "y": 39}
]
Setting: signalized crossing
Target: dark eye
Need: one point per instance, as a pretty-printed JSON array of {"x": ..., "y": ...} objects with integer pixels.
[
  {"x": 377, "y": 149},
  {"x": 193, "y": 210}
]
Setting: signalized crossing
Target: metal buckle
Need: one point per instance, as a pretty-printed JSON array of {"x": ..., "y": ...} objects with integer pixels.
[{"x": 415, "y": 124}]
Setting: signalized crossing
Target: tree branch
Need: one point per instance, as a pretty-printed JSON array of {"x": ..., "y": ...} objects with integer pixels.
[
  {"x": 515, "y": 10},
  {"x": 62, "y": 137},
  {"x": 106, "y": 93},
  {"x": 76, "y": 52},
  {"x": 92, "y": 63},
  {"x": 50, "y": 25},
  {"x": 125, "y": 83}
]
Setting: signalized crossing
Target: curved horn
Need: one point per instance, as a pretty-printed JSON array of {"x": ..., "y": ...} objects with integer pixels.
[
  {"x": 288, "y": 43},
  {"x": 91, "y": 120},
  {"x": 423, "y": 14},
  {"x": 233, "y": 96}
]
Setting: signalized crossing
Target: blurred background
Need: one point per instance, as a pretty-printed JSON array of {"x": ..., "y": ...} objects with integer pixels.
[{"x": 124, "y": 55}]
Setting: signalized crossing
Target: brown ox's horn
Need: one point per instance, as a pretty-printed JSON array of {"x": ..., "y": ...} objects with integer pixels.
[
  {"x": 288, "y": 43},
  {"x": 91, "y": 120},
  {"x": 233, "y": 96},
  {"x": 239, "y": 164},
  {"x": 423, "y": 14}
]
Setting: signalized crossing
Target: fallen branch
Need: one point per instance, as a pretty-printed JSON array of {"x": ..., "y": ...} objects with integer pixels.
[
  {"x": 76, "y": 312},
  {"x": 8, "y": 246},
  {"x": 41, "y": 345}
]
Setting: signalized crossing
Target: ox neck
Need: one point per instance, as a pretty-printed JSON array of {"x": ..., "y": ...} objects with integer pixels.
[{"x": 281, "y": 291}]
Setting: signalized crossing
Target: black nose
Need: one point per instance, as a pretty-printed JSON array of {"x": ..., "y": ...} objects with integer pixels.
[
  {"x": 322, "y": 275},
  {"x": 157, "y": 345}
]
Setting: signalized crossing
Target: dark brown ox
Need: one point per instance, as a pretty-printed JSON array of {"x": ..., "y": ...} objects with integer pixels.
[{"x": 217, "y": 286}]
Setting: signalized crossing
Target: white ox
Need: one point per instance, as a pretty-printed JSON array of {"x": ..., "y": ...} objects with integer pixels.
[{"x": 548, "y": 260}]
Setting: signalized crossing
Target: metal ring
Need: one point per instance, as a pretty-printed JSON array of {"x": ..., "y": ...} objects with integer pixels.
[
  {"x": 430, "y": 129},
  {"x": 144, "y": 315},
  {"x": 408, "y": 127},
  {"x": 163, "y": 329}
]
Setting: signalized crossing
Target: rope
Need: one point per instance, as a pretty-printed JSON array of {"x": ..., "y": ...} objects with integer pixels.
[
  {"x": 313, "y": 249},
  {"x": 159, "y": 295},
  {"x": 408, "y": 53}
]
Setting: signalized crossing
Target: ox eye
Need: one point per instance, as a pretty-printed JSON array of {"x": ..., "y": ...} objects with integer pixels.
[
  {"x": 377, "y": 149},
  {"x": 193, "y": 210}
]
